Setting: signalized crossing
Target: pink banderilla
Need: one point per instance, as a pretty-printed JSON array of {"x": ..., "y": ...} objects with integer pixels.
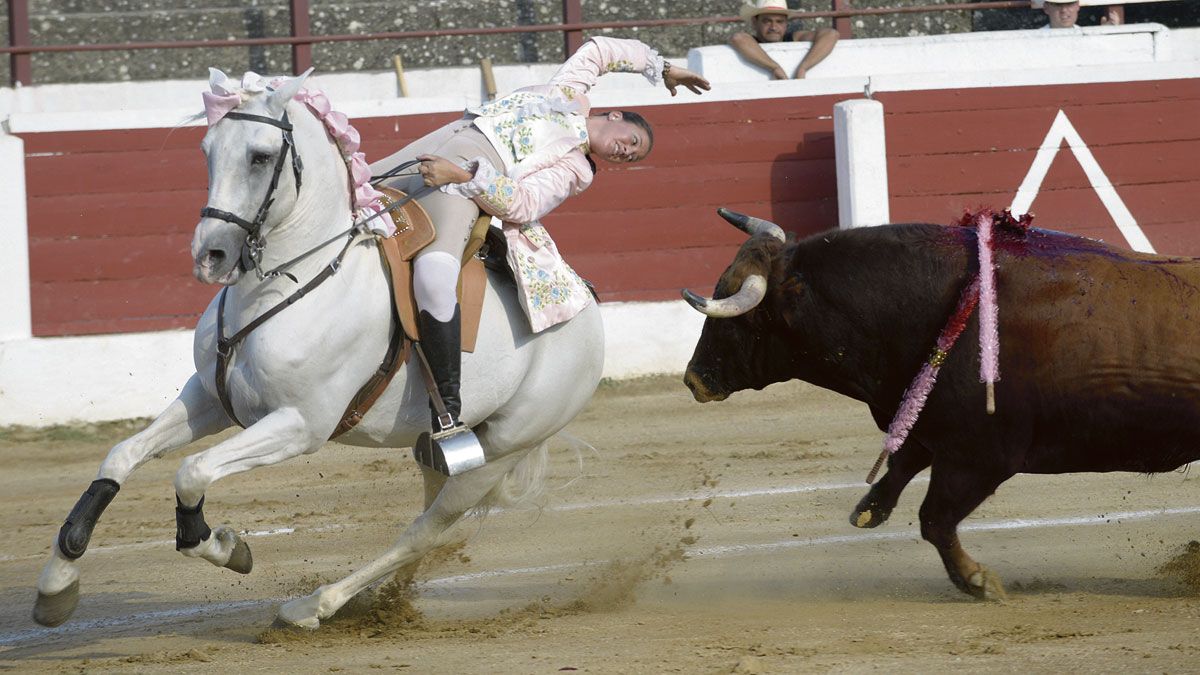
[{"x": 989, "y": 335}]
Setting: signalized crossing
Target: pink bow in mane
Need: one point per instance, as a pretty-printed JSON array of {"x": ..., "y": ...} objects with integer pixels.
[{"x": 365, "y": 199}]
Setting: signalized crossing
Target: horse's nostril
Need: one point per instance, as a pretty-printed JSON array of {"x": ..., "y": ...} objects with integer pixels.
[{"x": 216, "y": 255}]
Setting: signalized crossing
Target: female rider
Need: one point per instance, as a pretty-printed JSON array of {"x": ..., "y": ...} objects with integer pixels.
[{"x": 517, "y": 158}]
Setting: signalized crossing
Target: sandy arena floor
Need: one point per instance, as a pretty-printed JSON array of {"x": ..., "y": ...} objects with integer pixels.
[{"x": 698, "y": 539}]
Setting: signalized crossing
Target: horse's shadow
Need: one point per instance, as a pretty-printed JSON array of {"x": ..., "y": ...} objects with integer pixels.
[{"x": 105, "y": 616}]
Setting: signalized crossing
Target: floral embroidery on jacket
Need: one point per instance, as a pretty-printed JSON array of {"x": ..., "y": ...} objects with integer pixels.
[
  {"x": 620, "y": 66},
  {"x": 545, "y": 285},
  {"x": 499, "y": 193}
]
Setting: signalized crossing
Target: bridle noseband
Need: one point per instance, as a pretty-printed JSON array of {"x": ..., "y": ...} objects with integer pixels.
[{"x": 252, "y": 252}]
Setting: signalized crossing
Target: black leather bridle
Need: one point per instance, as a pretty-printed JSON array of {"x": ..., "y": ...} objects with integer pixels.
[{"x": 252, "y": 251}]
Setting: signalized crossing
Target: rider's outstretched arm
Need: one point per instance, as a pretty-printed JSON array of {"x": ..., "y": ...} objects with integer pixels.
[{"x": 601, "y": 55}]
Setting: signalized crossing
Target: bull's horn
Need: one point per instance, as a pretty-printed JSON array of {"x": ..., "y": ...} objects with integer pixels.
[
  {"x": 751, "y": 225},
  {"x": 753, "y": 290}
]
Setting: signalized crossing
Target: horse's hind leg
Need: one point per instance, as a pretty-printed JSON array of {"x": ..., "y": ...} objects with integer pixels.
[
  {"x": 281, "y": 435},
  {"x": 191, "y": 416},
  {"x": 457, "y": 495}
]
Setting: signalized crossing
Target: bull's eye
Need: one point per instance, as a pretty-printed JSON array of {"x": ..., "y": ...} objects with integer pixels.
[{"x": 260, "y": 158}]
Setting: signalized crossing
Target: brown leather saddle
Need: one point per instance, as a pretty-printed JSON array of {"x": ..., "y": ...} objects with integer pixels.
[{"x": 415, "y": 231}]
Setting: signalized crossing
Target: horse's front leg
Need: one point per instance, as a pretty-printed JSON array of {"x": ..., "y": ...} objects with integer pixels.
[
  {"x": 193, "y": 415},
  {"x": 282, "y": 434}
]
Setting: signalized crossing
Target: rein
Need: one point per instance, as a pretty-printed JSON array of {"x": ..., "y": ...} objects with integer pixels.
[{"x": 225, "y": 345}]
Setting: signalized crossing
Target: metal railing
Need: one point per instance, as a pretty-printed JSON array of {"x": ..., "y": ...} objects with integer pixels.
[{"x": 20, "y": 49}]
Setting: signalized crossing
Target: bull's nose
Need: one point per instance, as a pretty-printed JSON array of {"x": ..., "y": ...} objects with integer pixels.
[{"x": 700, "y": 391}]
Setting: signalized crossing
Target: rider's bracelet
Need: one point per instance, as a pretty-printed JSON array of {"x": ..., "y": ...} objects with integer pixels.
[{"x": 666, "y": 68}]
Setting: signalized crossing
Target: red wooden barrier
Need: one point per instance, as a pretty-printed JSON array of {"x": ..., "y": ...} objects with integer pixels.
[{"x": 111, "y": 213}]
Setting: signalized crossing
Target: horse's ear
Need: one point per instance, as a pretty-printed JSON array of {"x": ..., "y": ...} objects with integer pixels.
[
  {"x": 286, "y": 90},
  {"x": 218, "y": 79}
]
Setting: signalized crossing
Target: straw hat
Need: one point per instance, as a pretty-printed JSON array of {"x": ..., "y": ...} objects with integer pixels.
[{"x": 748, "y": 12}]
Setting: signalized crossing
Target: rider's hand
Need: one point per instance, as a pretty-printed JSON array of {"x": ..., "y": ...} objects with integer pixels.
[
  {"x": 439, "y": 171},
  {"x": 674, "y": 76}
]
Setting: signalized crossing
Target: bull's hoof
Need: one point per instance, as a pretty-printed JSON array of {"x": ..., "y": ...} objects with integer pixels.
[
  {"x": 53, "y": 610},
  {"x": 240, "y": 560},
  {"x": 985, "y": 584},
  {"x": 867, "y": 514}
]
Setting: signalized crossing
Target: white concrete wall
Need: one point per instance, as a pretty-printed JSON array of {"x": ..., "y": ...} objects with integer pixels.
[
  {"x": 955, "y": 53},
  {"x": 860, "y": 155},
  {"x": 14, "y": 243},
  {"x": 105, "y": 377}
]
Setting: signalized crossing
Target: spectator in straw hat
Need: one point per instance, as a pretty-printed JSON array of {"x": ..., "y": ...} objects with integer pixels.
[
  {"x": 768, "y": 21},
  {"x": 1062, "y": 13}
]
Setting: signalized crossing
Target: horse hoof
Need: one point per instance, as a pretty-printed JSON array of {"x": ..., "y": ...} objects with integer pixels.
[
  {"x": 52, "y": 610},
  {"x": 986, "y": 585},
  {"x": 240, "y": 560},
  {"x": 281, "y": 625},
  {"x": 300, "y": 613}
]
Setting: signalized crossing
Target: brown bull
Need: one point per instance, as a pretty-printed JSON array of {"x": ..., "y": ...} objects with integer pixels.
[{"x": 1099, "y": 360}]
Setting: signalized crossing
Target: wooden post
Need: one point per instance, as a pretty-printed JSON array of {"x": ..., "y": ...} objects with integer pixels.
[
  {"x": 572, "y": 39},
  {"x": 842, "y": 23},
  {"x": 20, "y": 65},
  {"x": 301, "y": 27},
  {"x": 489, "y": 78},
  {"x": 398, "y": 64}
]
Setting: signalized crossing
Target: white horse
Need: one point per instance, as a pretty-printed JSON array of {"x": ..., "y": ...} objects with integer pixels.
[{"x": 291, "y": 379}]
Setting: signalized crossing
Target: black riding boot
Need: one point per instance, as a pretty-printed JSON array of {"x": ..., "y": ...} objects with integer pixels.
[{"x": 442, "y": 344}]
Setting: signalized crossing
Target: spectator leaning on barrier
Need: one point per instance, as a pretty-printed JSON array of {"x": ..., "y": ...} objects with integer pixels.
[{"x": 769, "y": 21}]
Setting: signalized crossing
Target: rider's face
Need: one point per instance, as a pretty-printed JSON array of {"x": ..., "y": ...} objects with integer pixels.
[{"x": 616, "y": 139}]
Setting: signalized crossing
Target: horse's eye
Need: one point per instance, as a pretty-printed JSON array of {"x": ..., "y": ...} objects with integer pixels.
[{"x": 260, "y": 158}]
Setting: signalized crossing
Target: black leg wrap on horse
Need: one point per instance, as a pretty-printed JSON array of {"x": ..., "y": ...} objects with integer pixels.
[
  {"x": 76, "y": 532},
  {"x": 442, "y": 343},
  {"x": 190, "y": 528}
]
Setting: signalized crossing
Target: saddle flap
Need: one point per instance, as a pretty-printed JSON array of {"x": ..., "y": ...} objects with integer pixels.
[
  {"x": 472, "y": 282},
  {"x": 414, "y": 228}
]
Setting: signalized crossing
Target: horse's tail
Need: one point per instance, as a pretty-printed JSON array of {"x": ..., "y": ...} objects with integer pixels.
[{"x": 525, "y": 483}]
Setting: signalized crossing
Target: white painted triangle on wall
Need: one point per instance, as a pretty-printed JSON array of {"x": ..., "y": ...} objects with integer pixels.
[{"x": 1062, "y": 130}]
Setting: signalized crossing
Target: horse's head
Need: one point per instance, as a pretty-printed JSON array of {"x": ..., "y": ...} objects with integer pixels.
[{"x": 253, "y": 173}]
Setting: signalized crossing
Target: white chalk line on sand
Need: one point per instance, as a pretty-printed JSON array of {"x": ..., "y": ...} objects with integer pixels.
[
  {"x": 18, "y": 637},
  {"x": 577, "y": 506}
]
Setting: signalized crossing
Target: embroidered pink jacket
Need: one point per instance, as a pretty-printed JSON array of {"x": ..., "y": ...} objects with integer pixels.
[{"x": 539, "y": 133}]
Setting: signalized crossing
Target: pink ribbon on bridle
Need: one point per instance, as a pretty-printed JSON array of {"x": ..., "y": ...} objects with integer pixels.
[{"x": 216, "y": 105}]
